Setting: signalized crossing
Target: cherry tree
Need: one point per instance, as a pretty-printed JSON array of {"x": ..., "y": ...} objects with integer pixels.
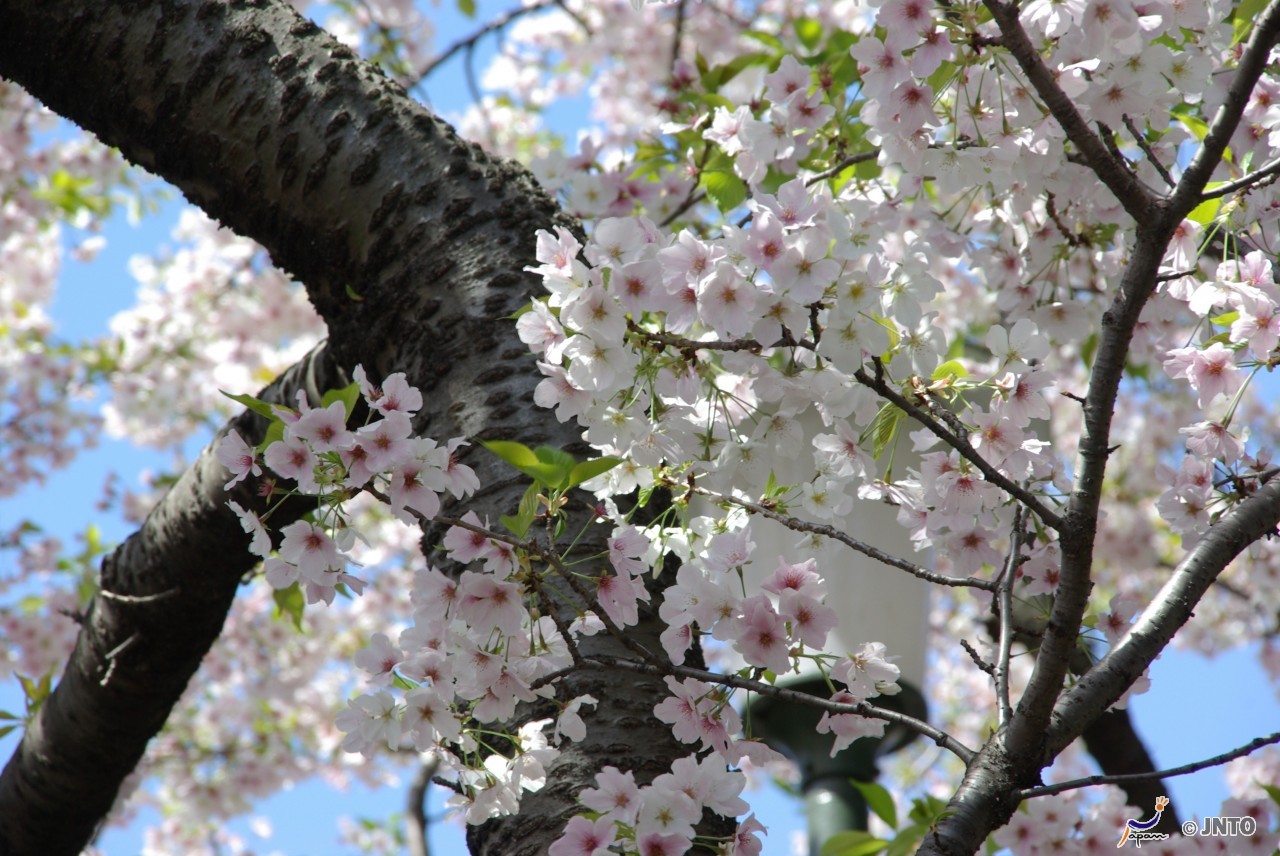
[{"x": 1005, "y": 269}]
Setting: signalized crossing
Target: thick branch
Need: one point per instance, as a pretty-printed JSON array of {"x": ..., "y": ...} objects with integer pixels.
[
  {"x": 1135, "y": 198},
  {"x": 1253, "y": 61},
  {"x": 165, "y": 594},
  {"x": 1254, "y": 518}
]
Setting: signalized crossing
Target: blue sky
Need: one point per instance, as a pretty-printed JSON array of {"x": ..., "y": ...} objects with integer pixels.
[{"x": 1231, "y": 702}]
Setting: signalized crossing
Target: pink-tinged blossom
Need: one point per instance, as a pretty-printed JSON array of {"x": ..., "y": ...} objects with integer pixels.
[
  {"x": 541, "y": 331},
  {"x": 557, "y": 391},
  {"x": 726, "y": 129},
  {"x": 279, "y": 573},
  {"x": 791, "y": 77},
  {"x": 688, "y": 260},
  {"x": 659, "y": 844},
  {"x": 408, "y": 490},
  {"x": 880, "y": 66},
  {"x": 868, "y": 672},
  {"x": 427, "y": 718},
  {"x": 292, "y": 458},
  {"x": 238, "y": 457},
  {"x": 744, "y": 841},
  {"x": 627, "y": 547},
  {"x": 485, "y": 603},
  {"x": 434, "y": 593},
  {"x": 709, "y": 783},
  {"x": 726, "y": 302},
  {"x": 459, "y": 479},
  {"x": 467, "y": 545},
  {"x": 557, "y": 253},
  {"x": 313, "y": 552},
  {"x": 618, "y": 595},
  {"x": 810, "y": 619},
  {"x": 260, "y": 543},
  {"x": 1213, "y": 440},
  {"x": 324, "y": 428},
  {"x": 379, "y": 658},
  {"x": 848, "y": 727},
  {"x": 666, "y": 811},
  {"x": 386, "y": 441},
  {"x": 1211, "y": 371},
  {"x": 729, "y": 550},
  {"x": 1020, "y": 397},
  {"x": 615, "y": 796},
  {"x": 370, "y": 720},
  {"x": 583, "y": 837},
  {"x": 762, "y": 638},
  {"x": 569, "y": 724},
  {"x": 801, "y": 578},
  {"x": 395, "y": 396}
]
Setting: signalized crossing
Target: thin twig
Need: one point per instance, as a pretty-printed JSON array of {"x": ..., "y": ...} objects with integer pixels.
[
  {"x": 1244, "y": 181},
  {"x": 1216, "y": 760},
  {"x": 1004, "y": 613},
  {"x": 1141, "y": 140},
  {"x": 863, "y": 708},
  {"x": 798, "y": 525},
  {"x": 977, "y": 658},
  {"x": 851, "y": 160},
  {"x": 960, "y": 444},
  {"x": 681, "y": 11},
  {"x": 139, "y": 598},
  {"x": 496, "y": 24}
]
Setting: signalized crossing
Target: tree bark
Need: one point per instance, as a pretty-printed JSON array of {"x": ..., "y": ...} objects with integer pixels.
[{"x": 412, "y": 245}]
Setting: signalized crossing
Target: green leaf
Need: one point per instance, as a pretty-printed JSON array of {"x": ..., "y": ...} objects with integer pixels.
[
  {"x": 4, "y": 714},
  {"x": 878, "y": 800},
  {"x": 402, "y": 682},
  {"x": 1197, "y": 126},
  {"x": 951, "y": 368},
  {"x": 6, "y": 729},
  {"x": 275, "y": 433},
  {"x": 808, "y": 31},
  {"x": 1206, "y": 212},
  {"x": 590, "y": 469},
  {"x": 347, "y": 395},
  {"x": 642, "y": 499},
  {"x": 726, "y": 190},
  {"x": 526, "y": 461},
  {"x": 1273, "y": 792},
  {"x": 1242, "y": 19},
  {"x": 290, "y": 602},
  {"x": 1225, "y": 320},
  {"x": 353, "y": 294},
  {"x": 257, "y": 405},
  {"x": 467, "y": 7},
  {"x": 882, "y": 429},
  {"x": 767, "y": 39},
  {"x": 519, "y": 524},
  {"x": 853, "y": 842}
]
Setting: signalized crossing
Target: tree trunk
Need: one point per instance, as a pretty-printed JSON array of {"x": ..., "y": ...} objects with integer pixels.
[{"x": 412, "y": 245}]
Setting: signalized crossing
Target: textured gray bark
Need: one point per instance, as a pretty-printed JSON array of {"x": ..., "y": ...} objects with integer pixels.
[{"x": 279, "y": 132}]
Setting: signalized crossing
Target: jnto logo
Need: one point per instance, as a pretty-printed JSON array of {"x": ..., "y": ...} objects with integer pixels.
[{"x": 1139, "y": 831}]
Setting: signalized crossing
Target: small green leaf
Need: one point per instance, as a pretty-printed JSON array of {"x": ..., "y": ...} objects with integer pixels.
[
  {"x": 467, "y": 7},
  {"x": 402, "y": 682},
  {"x": 6, "y": 729},
  {"x": 525, "y": 460},
  {"x": 1206, "y": 211},
  {"x": 290, "y": 602},
  {"x": 275, "y": 433},
  {"x": 883, "y": 428},
  {"x": 519, "y": 524},
  {"x": 347, "y": 395},
  {"x": 1226, "y": 320},
  {"x": 590, "y": 469},
  {"x": 853, "y": 842},
  {"x": 808, "y": 31},
  {"x": 353, "y": 294},
  {"x": 951, "y": 368},
  {"x": 257, "y": 405},
  {"x": 726, "y": 190},
  {"x": 1273, "y": 792},
  {"x": 4, "y": 714},
  {"x": 642, "y": 499},
  {"x": 879, "y": 801}
]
